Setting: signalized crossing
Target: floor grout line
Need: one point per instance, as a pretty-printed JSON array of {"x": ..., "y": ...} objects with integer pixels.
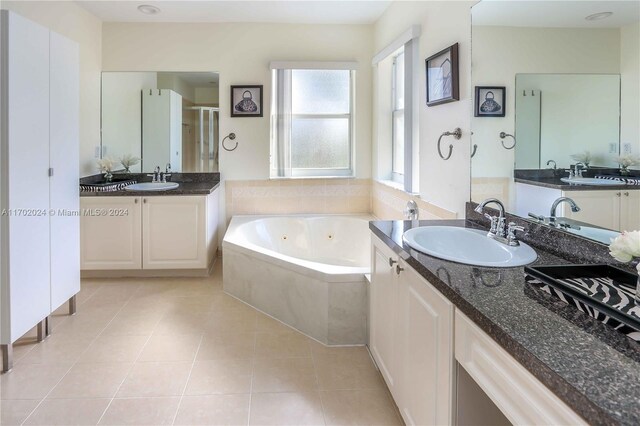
[
  {"x": 184, "y": 389},
  {"x": 76, "y": 361}
]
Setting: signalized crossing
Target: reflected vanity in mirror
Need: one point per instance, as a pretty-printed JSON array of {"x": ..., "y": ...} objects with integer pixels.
[
  {"x": 162, "y": 118},
  {"x": 572, "y": 113}
]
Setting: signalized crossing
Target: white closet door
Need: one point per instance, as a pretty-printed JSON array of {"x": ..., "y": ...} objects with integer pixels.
[
  {"x": 27, "y": 185},
  {"x": 64, "y": 148}
]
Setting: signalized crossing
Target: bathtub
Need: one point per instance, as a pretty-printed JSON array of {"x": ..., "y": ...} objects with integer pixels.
[{"x": 306, "y": 271}]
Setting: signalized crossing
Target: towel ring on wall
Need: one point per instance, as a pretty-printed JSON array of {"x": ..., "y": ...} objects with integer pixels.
[
  {"x": 457, "y": 133},
  {"x": 504, "y": 135},
  {"x": 231, "y": 136}
]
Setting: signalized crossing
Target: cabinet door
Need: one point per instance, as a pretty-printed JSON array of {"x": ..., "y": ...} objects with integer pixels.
[
  {"x": 425, "y": 321},
  {"x": 110, "y": 233},
  {"x": 600, "y": 208},
  {"x": 174, "y": 232},
  {"x": 383, "y": 311},
  {"x": 64, "y": 98},
  {"x": 630, "y": 210},
  {"x": 25, "y": 181}
]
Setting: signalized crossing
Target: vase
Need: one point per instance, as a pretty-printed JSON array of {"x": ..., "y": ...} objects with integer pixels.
[{"x": 624, "y": 170}]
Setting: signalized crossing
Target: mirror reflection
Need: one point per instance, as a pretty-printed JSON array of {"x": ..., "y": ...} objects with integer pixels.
[
  {"x": 161, "y": 118},
  {"x": 570, "y": 134}
]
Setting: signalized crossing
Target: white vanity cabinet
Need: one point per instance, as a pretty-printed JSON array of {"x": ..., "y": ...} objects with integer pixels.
[
  {"x": 411, "y": 339},
  {"x": 39, "y": 149},
  {"x": 149, "y": 233},
  {"x": 612, "y": 209}
]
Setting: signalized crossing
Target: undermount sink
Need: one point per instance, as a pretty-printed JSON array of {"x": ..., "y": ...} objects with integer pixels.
[
  {"x": 152, "y": 186},
  {"x": 469, "y": 246},
  {"x": 603, "y": 235},
  {"x": 591, "y": 181}
]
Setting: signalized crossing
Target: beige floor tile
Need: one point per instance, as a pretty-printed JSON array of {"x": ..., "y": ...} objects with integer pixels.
[
  {"x": 57, "y": 348},
  {"x": 299, "y": 408},
  {"x": 231, "y": 320},
  {"x": 86, "y": 323},
  {"x": 213, "y": 410},
  {"x": 177, "y": 347},
  {"x": 68, "y": 412},
  {"x": 31, "y": 381},
  {"x": 181, "y": 323},
  {"x": 284, "y": 375},
  {"x": 155, "y": 379},
  {"x": 236, "y": 345},
  {"x": 141, "y": 411},
  {"x": 266, "y": 324},
  {"x": 282, "y": 345},
  {"x": 109, "y": 348},
  {"x": 363, "y": 407},
  {"x": 99, "y": 380},
  {"x": 14, "y": 412},
  {"x": 134, "y": 323},
  {"x": 347, "y": 371},
  {"x": 223, "y": 376}
]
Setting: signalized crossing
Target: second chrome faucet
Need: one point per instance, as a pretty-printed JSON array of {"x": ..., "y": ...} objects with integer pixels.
[{"x": 499, "y": 231}]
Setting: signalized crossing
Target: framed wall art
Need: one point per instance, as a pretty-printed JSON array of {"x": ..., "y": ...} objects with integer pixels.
[
  {"x": 442, "y": 76},
  {"x": 246, "y": 101}
]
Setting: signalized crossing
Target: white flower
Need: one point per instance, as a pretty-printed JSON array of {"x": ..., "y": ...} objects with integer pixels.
[
  {"x": 583, "y": 157},
  {"x": 628, "y": 160},
  {"x": 105, "y": 164},
  {"x": 129, "y": 160},
  {"x": 626, "y": 246}
]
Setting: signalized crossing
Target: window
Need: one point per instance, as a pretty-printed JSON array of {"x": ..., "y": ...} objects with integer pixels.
[
  {"x": 312, "y": 123},
  {"x": 397, "y": 117}
]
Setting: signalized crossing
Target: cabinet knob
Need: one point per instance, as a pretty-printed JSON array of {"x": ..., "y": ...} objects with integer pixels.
[
  {"x": 399, "y": 269},
  {"x": 391, "y": 262},
  {"x": 626, "y": 194},
  {"x": 144, "y": 200},
  {"x": 135, "y": 201},
  {"x": 618, "y": 194}
]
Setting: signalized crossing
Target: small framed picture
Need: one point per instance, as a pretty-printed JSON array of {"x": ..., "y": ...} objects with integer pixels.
[
  {"x": 490, "y": 101},
  {"x": 246, "y": 101},
  {"x": 442, "y": 76}
]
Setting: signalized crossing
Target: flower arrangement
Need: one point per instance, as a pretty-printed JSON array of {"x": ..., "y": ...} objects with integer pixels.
[
  {"x": 627, "y": 161},
  {"x": 583, "y": 157},
  {"x": 129, "y": 160},
  {"x": 625, "y": 248},
  {"x": 106, "y": 165}
]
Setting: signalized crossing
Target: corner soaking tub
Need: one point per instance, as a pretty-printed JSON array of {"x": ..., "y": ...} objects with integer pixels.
[{"x": 306, "y": 271}]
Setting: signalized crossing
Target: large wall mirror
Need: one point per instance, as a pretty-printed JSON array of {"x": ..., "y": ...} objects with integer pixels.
[
  {"x": 570, "y": 72},
  {"x": 162, "y": 118}
]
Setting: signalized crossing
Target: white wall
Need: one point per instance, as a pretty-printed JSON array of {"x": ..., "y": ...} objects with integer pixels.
[
  {"x": 76, "y": 23},
  {"x": 122, "y": 113},
  {"x": 442, "y": 183},
  {"x": 206, "y": 95},
  {"x": 499, "y": 53},
  {"x": 241, "y": 53},
  {"x": 630, "y": 82}
]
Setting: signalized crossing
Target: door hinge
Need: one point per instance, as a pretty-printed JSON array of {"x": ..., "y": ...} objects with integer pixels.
[{"x": 50, "y": 171}]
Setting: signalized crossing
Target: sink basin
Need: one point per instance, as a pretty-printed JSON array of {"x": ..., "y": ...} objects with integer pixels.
[
  {"x": 598, "y": 234},
  {"x": 591, "y": 181},
  {"x": 152, "y": 186},
  {"x": 469, "y": 246}
]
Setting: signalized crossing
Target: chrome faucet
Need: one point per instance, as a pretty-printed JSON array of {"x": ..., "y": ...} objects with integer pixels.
[
  {"x": 556, "y": 203},
  {"x": 411, "y": 211},
  {"x": 498, "y": 232},
  {"x": 497, "y": 223},
  {"x": 166, "y": 173},
  {"x": 580, "y": 167},
  {"x": 156, "y": 174},
  {"x": 555, "y": 166}
]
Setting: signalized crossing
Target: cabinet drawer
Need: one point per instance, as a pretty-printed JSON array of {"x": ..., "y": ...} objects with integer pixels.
[{"x": 515, "y": 391}]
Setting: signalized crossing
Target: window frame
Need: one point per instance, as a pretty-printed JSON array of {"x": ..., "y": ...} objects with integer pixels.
[
  {"x": 285, "y": 171},
  {"x": 395, "y": 175}
]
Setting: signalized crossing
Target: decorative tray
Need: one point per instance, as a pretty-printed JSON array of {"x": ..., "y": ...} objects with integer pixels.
[
  {"x": 602, "y": 291},
  {"x": 115, "y": 185}
]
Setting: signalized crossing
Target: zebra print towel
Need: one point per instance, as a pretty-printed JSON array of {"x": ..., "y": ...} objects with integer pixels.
[
  {"x": 622, "y": 179},
  {"x": 605, "y": 291},
  {"x": 115, "y": 186}
]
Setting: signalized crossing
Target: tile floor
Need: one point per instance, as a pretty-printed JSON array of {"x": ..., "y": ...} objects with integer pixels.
[{"x": 180, "y": 351}]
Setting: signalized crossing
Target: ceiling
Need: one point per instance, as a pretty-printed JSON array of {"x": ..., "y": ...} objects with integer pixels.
[
  {"x": 565, "y": 14},
  {"x": 292, "y": 11}
]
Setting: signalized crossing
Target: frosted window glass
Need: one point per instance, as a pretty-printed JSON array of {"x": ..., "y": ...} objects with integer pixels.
[
  {"x": 320, "y": 91},
  {"x": 398, "y": 76},
  {"x": 320, "y": 143},
  {"x": 398, "y": 142}
]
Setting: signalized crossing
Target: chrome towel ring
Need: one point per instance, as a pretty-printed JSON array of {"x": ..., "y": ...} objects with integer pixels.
[
  {"x": 504, "y": 135},
  {"x": 473, "y": 151},
  {"x": 457, "y": 133},
  {"x": 231, "y": 136}
]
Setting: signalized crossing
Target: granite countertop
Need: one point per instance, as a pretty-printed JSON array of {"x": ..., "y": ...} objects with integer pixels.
[
  {"x": 592, "y": 368},
  {"x": 556, "y": 183},
  {"x": 190, "y": 184}
]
